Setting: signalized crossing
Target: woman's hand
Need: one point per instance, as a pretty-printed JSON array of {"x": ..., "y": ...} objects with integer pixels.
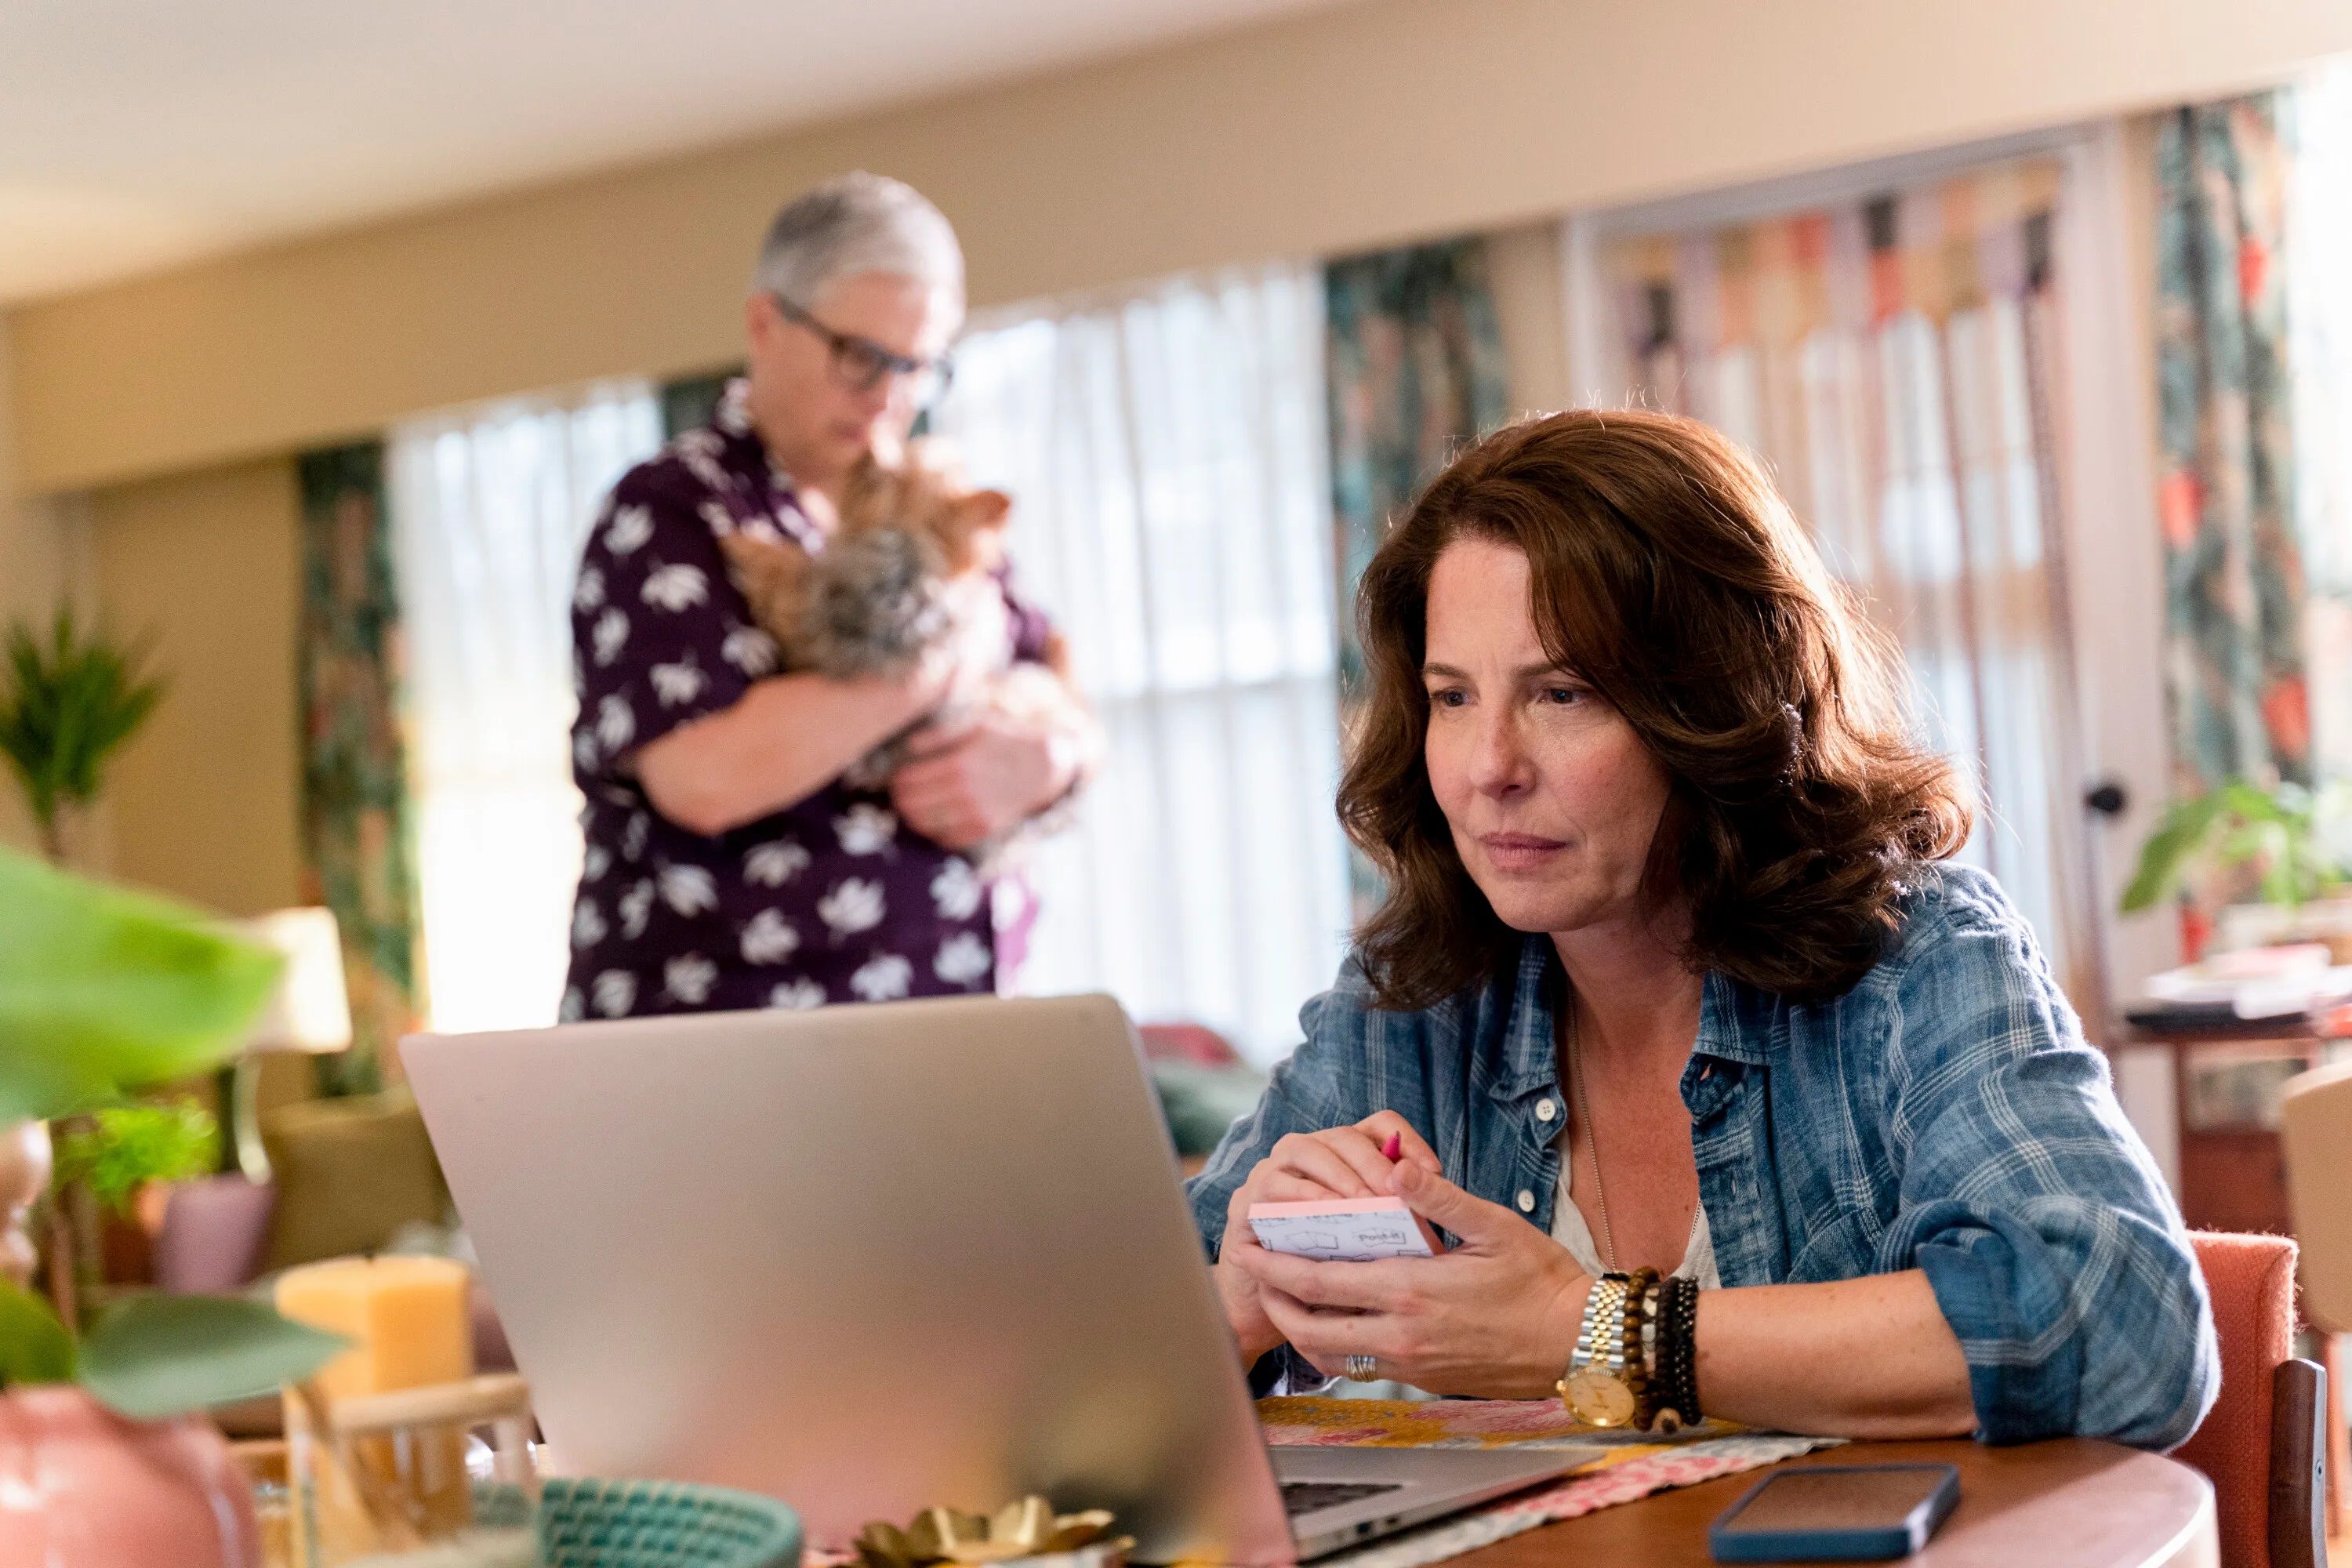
[
  {"x": 1305, "y": 1167},
  {"x": 1495, "y": 1317}
]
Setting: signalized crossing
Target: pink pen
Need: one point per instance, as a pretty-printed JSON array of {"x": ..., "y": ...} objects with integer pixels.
[{"x": 1393, "y": 1150}]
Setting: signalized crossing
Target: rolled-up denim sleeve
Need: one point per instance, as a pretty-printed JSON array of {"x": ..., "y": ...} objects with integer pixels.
[
  {"x": 2045, "y": 1231},
  {"x": 1307, "y": 1093}
]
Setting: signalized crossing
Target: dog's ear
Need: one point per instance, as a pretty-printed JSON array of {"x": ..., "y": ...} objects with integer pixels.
[{"x": 973, "y": 537}]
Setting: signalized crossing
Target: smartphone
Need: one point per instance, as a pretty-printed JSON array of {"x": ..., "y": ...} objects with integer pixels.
[{"x": 1847, "y": 1514}]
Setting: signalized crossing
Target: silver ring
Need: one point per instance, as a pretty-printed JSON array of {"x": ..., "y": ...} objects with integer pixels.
[{"x": 1361, "y": 1369}]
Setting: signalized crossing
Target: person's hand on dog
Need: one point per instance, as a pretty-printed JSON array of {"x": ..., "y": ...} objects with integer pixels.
[{"x": 967, "y": 780}]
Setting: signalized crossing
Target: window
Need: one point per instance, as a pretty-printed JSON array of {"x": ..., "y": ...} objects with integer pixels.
[
  {"x": 1166, "y": 457},
  {"x": 2319, "y": 359},
  {"x": 489, "y": 510},
  {"x": 1893, "y": 355}
]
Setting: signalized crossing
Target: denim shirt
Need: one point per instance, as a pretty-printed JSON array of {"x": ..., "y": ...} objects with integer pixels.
[{"x": 1944, "y": 1114}]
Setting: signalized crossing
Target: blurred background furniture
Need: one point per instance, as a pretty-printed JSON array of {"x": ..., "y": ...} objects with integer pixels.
[
  {"x": 2261, "y": 1444},
  {"x": 310, "y": 1013},
  {"x": 2316, "y": 1130}
]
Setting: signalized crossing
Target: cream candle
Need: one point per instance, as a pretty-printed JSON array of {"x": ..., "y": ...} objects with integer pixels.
[{"x": 411, "y": 1326}]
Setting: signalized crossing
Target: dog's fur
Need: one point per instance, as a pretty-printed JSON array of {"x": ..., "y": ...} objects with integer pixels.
[{"x": 900, "y": 576}]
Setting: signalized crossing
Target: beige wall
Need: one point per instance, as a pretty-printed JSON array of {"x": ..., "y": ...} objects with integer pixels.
[
  {"x": 1339, "y": 129},
  {"x": 207, "y": 565}
]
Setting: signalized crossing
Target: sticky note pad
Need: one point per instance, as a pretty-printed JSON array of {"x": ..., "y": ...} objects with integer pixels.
[{"x": 1345, "y": 1230}]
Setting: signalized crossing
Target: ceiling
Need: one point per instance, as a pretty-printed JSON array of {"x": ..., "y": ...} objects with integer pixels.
[{"x": 137, "y": 134}]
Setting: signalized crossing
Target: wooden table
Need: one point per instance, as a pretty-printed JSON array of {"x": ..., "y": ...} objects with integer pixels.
[{"x": 2072, "y": 1503}]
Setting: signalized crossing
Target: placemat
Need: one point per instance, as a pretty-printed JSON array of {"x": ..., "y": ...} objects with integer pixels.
[{"x": 1637, "y": 1463}]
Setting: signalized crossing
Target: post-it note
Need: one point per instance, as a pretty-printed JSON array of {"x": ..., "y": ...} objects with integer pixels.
[{"x": 1344, "y": 1230}]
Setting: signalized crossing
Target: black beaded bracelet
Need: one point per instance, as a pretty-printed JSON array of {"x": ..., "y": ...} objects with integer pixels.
[{"x": 1678, "y": 1348}]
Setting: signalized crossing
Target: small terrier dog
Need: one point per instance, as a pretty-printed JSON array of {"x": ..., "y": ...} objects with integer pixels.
[{"x": 909, "y": 569}]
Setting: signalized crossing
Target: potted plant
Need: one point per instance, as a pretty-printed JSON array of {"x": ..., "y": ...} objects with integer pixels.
[
  {"x": 2279, "y": 849},
  {"x": 104, "y": 991},
  {"x": 71, "y": 702},
  {"x": 120, "y": 1160}
]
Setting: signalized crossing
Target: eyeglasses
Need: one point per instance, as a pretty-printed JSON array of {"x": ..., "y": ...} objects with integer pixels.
[{"x": 861, "y": 364}]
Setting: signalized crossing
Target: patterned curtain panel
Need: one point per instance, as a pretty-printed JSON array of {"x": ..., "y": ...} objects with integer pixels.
[
  {"x": 1414, "y": 361},
  {"x": 2234, "y": 670},
  {"x": 1891, "y": 359},
  {"x": 357, "y": 847},
  {"x": 689, "y": 402}
]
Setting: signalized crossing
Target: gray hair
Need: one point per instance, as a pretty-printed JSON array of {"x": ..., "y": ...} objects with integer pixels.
[{"x": 858, "y": 223}]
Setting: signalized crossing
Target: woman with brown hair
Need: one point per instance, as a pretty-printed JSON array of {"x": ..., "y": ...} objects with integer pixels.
[{"x": 1718, "y": 1089}]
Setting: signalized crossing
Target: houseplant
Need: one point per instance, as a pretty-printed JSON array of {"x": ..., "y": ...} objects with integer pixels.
[
  {"x": 2277, "y": 853},
  {"x": 102, "y": 992},
  {"x": 70, "y": 702}
]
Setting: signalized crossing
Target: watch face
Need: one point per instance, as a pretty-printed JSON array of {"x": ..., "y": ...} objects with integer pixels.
[{"x": 1596, "y": 1399}]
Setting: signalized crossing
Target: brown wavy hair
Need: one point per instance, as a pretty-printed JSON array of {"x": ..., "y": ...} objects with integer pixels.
[{"x": 1668, "y": 573}]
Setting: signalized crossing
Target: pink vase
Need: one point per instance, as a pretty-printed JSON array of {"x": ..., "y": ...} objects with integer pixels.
[{"x": 82, "y": 1487}]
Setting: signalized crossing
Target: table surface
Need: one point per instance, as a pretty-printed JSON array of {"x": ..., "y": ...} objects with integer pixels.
[{"x": 2074, "y": 1503}]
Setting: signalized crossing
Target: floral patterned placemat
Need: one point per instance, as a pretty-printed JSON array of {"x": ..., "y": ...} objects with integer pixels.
[{"x": 1637, "y": 1465}]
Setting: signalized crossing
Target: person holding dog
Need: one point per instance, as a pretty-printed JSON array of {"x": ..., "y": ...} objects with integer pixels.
[{"x": 729, "y": 864}]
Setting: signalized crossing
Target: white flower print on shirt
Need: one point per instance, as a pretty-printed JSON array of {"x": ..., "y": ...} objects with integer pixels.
[
  {"x": 963, "y": 958},
  {"x": 689, "y": 977},
  {"x": 955, "y": 892},
  {"x": 866, "y": 828},
  {"x": 583, "y": 750},
  {"x": 616, "y": 991},
  {"x": 751, "y": 650},
  {"x": 676, "y": 587},
  {"x": 632, "y": 526},
  {"x": 633, "y": 835},
  {"x": 595, "y": 862},
  {"x": 882, "y": 978},
  {"x": 775, "y": 864},
  {"x": 798, "y": 994},
  {"x": 636, "y": 907},
  {"x": 615, "y": 725},
  {"x": 589, "y": 592},
  {"x": 587, "y": 924},
  {"x": 688, "y": 889},
  {"x": 769, "y": 939},
  {"x": 574, "y": 1007},
  {"x": 716, "y": 516},
  {"x": 677, "y": 683},
  {"x": 853, "y": 906},
  {"x": 610, "y": 633}
]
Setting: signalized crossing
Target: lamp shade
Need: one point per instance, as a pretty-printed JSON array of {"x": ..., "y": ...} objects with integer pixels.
[{"x": 310, "y": 1011}]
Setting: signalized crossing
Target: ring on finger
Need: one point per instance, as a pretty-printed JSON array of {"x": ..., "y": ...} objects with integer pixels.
[{"x": 1362, "y": 1368}]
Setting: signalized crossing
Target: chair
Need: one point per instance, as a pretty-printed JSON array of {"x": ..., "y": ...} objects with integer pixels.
[
  {"x": 2262, "y": 1445},
  {"x": 2316, "y": 1130}
]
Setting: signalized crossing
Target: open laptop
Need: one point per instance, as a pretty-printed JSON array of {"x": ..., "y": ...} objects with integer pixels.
[{"x": 869, "y": 1258}]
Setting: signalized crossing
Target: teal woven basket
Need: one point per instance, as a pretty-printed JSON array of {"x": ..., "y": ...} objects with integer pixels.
[{"x": 662, "y": 1524}]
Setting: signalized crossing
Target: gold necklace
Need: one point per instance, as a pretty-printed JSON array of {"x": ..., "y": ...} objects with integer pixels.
[{"x": 1583, "y": 1115}]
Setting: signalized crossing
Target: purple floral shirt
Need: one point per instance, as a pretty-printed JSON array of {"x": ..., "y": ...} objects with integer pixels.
[{"x": 832, "y": 900}]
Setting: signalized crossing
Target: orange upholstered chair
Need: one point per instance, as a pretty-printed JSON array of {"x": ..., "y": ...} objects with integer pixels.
[{"x": 2261, "y": 1446}]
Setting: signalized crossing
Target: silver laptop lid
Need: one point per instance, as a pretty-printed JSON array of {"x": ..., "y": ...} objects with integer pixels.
[{"x": 862, "y": 1259}]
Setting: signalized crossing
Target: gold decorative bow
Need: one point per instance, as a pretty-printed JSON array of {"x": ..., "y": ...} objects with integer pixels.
[{"x": 1025, "y": 1528}]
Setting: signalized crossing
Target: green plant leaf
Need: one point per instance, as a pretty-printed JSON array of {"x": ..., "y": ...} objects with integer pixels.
[
  {"x": 66, "y": 705},
  {"x": 155, "y": 1356},
  {"x": 34, "y": 1346},
  {"x": 124, "y": 1147},
  {"x": 2179, "y": 834},
  {"x": 104, "y": 991}
]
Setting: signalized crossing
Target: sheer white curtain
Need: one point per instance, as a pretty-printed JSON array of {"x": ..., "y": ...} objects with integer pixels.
[
  {"x": 488, "y": 511},
  {"x": 1168, "y": 460},
  {"x": 1892, "y": 358},
  {"x": 2319, "y": 359}
]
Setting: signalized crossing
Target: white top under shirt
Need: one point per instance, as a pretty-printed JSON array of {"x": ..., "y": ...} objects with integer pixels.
[{"x": 1568, "y": 1230}]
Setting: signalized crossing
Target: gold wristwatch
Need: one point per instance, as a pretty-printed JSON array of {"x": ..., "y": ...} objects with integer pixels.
[{"x": 1600, "y": 1387}]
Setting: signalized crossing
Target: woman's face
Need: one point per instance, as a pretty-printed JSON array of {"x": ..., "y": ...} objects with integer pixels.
[{"x": 1552, "y": 799}]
